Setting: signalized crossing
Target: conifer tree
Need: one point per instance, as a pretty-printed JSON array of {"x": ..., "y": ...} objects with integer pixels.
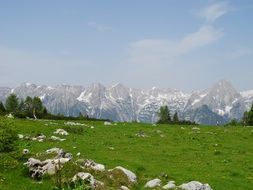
[
  {"x": 250, "y": 117},
  {"x": 175, "y": 118},
  {"x": 12, "y": 103},
  {"x": 164, "y": 115},
  {"x": 2, "y": 108},
  {"x": 28, "y": 106}
]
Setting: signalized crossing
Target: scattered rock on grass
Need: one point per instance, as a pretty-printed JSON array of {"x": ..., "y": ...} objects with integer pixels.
[
  {"x": 74, "y": 123},
  {"x": 38, "y": 168},
  {"x": 124, "y": 188},
  {"x": 90, "y": 164},
  {"x": 20, "y": 136},
  {"x": 107, "y": 123},
  {"x": 53, "y": 150},
  {"x": 39, "y": 138},
  {"x": 10, "y": 116},
  {"x": 153, "y": 183},
  {"x": 129, "y": 174},
  {"x": 141, "y": 134},
  {"x": 61, "y": 132},
  {"x": 54, "y": 138},
  {"x": 195, "y": 185},
  {"x": 169, "y": 185}
]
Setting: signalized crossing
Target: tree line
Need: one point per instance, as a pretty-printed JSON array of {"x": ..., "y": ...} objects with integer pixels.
[
  {"x": 30, "y": 107},
  {"x": 166, "y": 118},
  {"x": 247, "y": 119},
  {"x": 34, "y": 108}
]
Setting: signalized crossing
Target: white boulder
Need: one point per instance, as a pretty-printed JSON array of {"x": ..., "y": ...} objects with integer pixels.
[
  {"x": 61, "y": 132},
  {"x": 107, "y": 123},
  {"x": 38, "y": 168},
  {"x": 54, "y": 138},
  {"x": 33, "y": 162},
  {"x": 129, "y": 174},
  {"x": 10, "y": 116},
  {"x": 20, "y": 136},
  {"x": 124, "y": 188},
  {"x": 53, "y": 150},
  {"x": 94, "y": 166},
  {"x": 41, "y": 137},
  {"x": 169, "y": 185},
  {"x": 153, "y": 183},
  {"x": 74, "y": 123},
  {"x": 195, "y": 185}
]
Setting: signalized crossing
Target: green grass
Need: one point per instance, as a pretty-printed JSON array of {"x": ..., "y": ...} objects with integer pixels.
[{"x": 220, "y": 156}]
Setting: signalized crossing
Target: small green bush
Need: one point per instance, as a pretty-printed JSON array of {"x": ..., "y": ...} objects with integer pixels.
[{"x": 8, "y": 136}]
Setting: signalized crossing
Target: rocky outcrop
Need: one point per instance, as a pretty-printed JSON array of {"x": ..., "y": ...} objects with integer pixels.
[
  {"x": 38, "y": 168},
  {"x": 195, "y": 185}
]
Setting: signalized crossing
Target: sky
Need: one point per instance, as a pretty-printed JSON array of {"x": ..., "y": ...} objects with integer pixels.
[{"x": 180, "y": 44}]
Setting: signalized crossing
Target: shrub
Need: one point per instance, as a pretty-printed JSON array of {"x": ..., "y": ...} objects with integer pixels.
[{"x": 8, "y": 136}]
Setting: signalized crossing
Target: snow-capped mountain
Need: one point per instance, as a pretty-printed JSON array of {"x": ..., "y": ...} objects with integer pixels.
[
  {"x": 219, "y": 104},
  {"x": 247, "y": 98},
  {"x": 222, "y": 99}
]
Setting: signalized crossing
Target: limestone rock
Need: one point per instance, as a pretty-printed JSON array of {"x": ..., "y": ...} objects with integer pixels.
[
  {"x": 54, "y": 138},
  {"x": 20, "y": 136},
  {"x": 153, "y": 183},
  {"x": 93, "y": 165},
  {"x": 61, "y": 132},
  {"x": 169, "y": 185},
  {"x": 195, "y": 185},
  {"x": 53, "y": 150},
  {"x": 107, "y": 123},
  {"x": 124, "y": 188},
  {"x": 129, "y": 174}
]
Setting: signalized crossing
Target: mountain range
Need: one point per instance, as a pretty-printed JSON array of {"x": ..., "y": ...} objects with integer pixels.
[{"x": 218, "y": 104}]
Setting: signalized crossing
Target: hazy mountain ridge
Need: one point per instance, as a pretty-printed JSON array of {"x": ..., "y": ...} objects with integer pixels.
[{"x": 219, "y": 103}]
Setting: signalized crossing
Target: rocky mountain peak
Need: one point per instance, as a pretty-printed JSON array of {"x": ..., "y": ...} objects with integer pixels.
[{"x": 121, "y": 103}]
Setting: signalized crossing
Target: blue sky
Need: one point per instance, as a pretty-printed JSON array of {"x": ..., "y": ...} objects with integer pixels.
[{"x": 182, "y": 44}]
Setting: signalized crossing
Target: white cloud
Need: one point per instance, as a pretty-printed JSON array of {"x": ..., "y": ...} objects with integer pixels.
[
  {"x": 214, "y": 11},
  {"x": 155, "y": 51},
  {"x": 98, "y": 27}
]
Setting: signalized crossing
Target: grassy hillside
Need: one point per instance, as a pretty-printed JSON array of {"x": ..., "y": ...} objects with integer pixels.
[{"x": 222, "y": 157}]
